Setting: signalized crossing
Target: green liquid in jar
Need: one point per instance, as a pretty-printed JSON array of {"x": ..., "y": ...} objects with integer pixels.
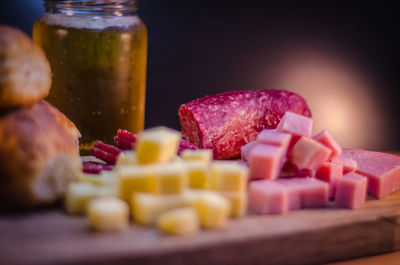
[{"x": 99, "y": 74}]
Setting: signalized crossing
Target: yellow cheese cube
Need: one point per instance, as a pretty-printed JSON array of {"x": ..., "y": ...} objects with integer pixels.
[
  {"x": 147, "y": 207},
  {"x": 198, "y": 174},
  {"x": 80, "y": 193},
  {"x": 108, "y": 214},
  {"x": 228, "y": 176},
  {"x": 135, "y": 179},
  {"x": 179, "y": 221},
  {"x": 105, "y": 178},
  {"x": 238, "y": 200},
  {"x": 159, "y": 144},
  {"x": 204, "y": 155},
  {"x": 126, "y": 158},
  {"x": 213, "y": 208},
  {"x": 170, "y": 178}
]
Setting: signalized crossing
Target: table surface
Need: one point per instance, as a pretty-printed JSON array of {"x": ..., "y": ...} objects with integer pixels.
[{"x": 308, "y": 236}]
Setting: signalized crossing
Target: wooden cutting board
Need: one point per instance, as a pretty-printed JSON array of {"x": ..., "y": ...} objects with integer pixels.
[{"x": 312, "y": 236}]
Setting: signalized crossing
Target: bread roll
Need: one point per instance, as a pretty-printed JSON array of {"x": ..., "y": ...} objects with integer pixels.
[
  {"x": 25, "y": 75},
  {"x": 39, "y": 155}
]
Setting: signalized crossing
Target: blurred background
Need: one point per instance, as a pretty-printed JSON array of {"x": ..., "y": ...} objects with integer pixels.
[{"x": 341, "y": 56}]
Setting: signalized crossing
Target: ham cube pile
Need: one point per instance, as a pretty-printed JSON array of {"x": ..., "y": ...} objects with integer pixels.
[{"x": 290, "y": 170}]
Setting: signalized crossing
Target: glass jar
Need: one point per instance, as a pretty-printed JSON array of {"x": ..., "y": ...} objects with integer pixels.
[{"x": 98, "y": 52}]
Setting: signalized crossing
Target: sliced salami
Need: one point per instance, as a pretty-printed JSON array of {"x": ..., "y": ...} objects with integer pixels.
[{"x": 226, "y": 121}]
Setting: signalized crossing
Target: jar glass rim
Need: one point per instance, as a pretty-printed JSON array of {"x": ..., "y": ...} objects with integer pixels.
[{"x": 120, "y": 7}]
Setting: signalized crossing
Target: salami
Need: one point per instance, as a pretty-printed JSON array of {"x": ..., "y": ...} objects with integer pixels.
[{"x": 226, "y": 121}]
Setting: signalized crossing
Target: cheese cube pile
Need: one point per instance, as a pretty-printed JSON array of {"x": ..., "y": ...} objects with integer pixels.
[{"x": 178, "y": 193}]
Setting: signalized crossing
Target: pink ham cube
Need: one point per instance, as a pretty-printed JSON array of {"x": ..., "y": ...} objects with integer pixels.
[
  {"x": 330, "y": 173},
  {"x": 294, "y": 191},
  {"x": 325, "y": 138},
  {"x": 381, "y": 169},
  {"x": 305, "y": 192},
  {"x": 351, "y": 191},
  {"x": 308, "y": 153},
  {"x": 274, "y": 137},
  {"x": 314, "y": 193},
  {"x": 245, "y": 150},
  {"x": 267, "y": 197},
  {"x": 349, "y": 165},
  {"x": 295, "y": 124},
  {"x": 266, "y": 161}
]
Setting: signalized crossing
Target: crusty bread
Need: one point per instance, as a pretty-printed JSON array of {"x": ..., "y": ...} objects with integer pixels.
[
  {"x": 39, "y": 155},
  {"x": 25, "y": 74}
]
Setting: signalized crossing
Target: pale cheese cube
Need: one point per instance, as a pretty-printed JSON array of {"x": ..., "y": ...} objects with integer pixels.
[
  {"x": 108, "y": 214},
  {"x": 80, "y": 193},
  {"x": 126, "y": 158},
  {"x": 198, "y": 174},
  {"x": 159, "y": 144},
  {"x": 103, "y": 179},
  {"x": 136, "y": 179},
  {"x": 147, "y": 207},
  {"x": 170, "y": 178},
  {"x": 228, "y": 176},
  {"x": 213, "y": 208},
  {"x": 204, "y": 155},
  {"x": 179, "y": 221},
  {"x": 238, "y": 202}
]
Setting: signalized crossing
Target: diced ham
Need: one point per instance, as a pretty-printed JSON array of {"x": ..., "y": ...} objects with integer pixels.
[
  {"x": 305, "y": 192},
  {"x": 274, "y": 137},
  {"x": 266, "y": 161},
  {"x": 308, "y": 153},
  {"x": 267, "y": 197},
  {"x": 381, "y": 169},
  {"x": 325, "y": 138},
  {"x": 245, "y": 150},
  {"x": 351, "y": 191},
  {"x": 330, "y": 173}
]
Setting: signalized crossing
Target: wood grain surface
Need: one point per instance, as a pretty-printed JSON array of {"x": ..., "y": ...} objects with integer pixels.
[{"x": 313, "y": 236}]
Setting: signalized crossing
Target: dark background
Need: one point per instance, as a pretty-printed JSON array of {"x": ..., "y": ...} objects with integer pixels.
[{"x": 341, "y": 56}]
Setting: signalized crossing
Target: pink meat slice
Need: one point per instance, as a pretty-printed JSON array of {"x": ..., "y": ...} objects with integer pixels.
[
  {"x": 227, "y": 121},
  {"x": 381, "y": 169}
]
